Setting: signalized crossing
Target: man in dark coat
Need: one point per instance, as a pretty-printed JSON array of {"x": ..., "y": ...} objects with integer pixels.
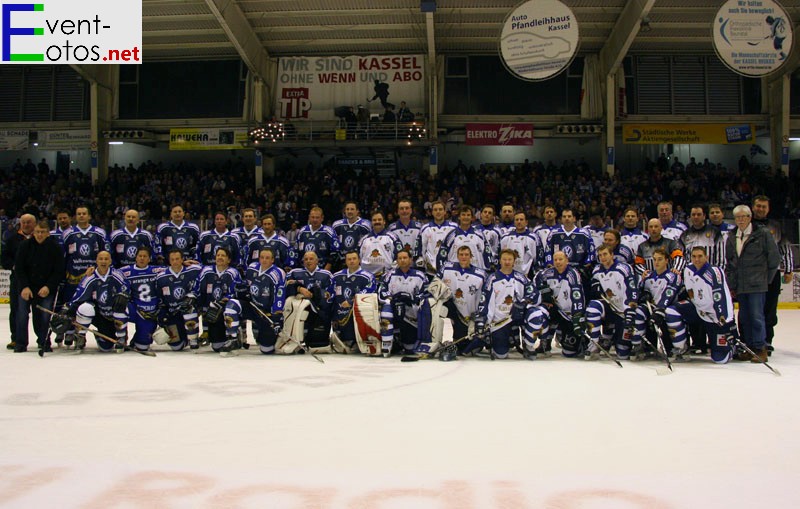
[
  {"x": 39, "y": 269},
  {"x": 9, "y": 255}
]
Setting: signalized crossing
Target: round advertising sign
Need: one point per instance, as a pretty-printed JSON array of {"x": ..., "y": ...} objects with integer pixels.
[
  {"x": 752, "y": 37},
  {"x": 539, "y": 39}
]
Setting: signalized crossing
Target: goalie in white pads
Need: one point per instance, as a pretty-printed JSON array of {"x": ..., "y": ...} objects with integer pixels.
[
  {"x": 355, "y": 322},
  {"x": 465, "y": 282},
  {"x": 401, "y": 293},
  {"x": 510, "y": 302},
  {"x": 263, "y": 301},
  {"x": 307, "y": 308}
]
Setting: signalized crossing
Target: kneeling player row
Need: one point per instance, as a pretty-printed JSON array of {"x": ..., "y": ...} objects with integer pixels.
[{"x": 405, "y": 310}]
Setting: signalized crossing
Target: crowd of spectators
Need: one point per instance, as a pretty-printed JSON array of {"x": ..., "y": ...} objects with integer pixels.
[{"x": 152, "y": 187}]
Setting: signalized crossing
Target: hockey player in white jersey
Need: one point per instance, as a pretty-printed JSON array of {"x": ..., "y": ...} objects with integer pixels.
[
  {"x": 621, "y": 252},
  {"x": 466, "y": 235},
  {"x": 406, "y": 229},
  {"x": 510, "y": 302},
  {"x": 431, "y": 237},
  {"x": 562, "y": 292},
  {"x": 529, "y": 250},
  {"x": 671, "y": 229},
  {"x": 506, "y": 219},
  {"x": 660, "y": 288},
  {"x": 465, "y": 282},
  {"x": 490, "y": 231},
  {"x": 709, "y": 303},
  {"x": 401, "y": 292},
  {"x": 617, "y": 283},
  {"x": 630, "y": 234},
  {"x": 596, "y": 228},
  {"x": 378, "y": 249}
]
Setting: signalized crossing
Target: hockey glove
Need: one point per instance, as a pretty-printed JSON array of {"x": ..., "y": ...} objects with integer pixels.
[
  {"x": 120, "y": 303},
  {"x": 596, "y": 289},
  {"x": 188, "y": 305},
  {"x": 518, "y": 312},
  {"x": 660, "y": 317},
  {"x": 403, "y": 298},
  {"x": 214, "y": 312},
  {"x": 578, "y": 325},
  {"x": 277, "y": 323},
  {"x": 60, "y": 324},
  {"x": 630, "y": 317},
  {"x": 547, "y": 294}
]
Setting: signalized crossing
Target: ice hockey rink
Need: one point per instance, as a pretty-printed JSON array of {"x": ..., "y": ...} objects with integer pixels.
[{"x": 186, "y": 430}]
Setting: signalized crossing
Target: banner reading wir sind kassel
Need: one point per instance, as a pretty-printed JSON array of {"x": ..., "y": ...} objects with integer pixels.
[{"x": 313, "y": 87}]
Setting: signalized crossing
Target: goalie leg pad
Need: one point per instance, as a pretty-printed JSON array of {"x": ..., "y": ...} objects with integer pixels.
[
  {"x": 339, "y": 346},
  {"x": 366, "y": 323}
]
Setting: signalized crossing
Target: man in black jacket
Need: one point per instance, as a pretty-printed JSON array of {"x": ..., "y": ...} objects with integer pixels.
[
  {"x": 38, "y": 270},
  {"x": 10, "y": 249}
]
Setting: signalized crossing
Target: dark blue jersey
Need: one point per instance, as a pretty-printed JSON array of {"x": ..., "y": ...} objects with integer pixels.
[
  {"x": 285, "y": 255},
  {"x": 213, "y": 286},
  {"x": 184, "y": 238},
  {"x": 100, "y": 291},
  {"x": 322, "y": 241},
  {"x": 210, "y": 241},
  {"x": 125, "y": 244},
  {"x": 81, "y": 248},
  {"x": 173, "y": 288},
  {"x": 350, "y": 234},
  {"x": 142, "y": 283},
  {"x": 346, "y": 285},
  {"x": 267, "y": 288}
]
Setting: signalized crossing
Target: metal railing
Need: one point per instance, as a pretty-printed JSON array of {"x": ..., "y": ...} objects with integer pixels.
[{"x": 340, "y": 130}]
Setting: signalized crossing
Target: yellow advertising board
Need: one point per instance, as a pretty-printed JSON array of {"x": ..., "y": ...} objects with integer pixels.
[
  {"x": 207, "y": 138},
  {"x": 687, "y": 134}
]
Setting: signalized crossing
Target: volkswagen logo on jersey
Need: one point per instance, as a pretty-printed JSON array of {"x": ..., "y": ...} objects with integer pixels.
[
  {"x": 308, "y": 247},
  {"x": 567, "y": 251},
  {"x": 84, "y": 249},
  {"x": 103, "y": 297},
  {"x": 217, "y": 293},
  {"x": 253, "y": 290},
  {"x": 179, "y": 293},
  {"x": 349, "y": 241},
  {"x": 131, "y": 252},
  {"x": 348, "y": 293},
  {"x": 180, "y": 243}
]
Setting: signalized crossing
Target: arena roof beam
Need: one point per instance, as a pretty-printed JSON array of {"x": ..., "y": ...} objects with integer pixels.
[
  {"x": 241, "y": 34},
  {"x": 623, "y": 34}
]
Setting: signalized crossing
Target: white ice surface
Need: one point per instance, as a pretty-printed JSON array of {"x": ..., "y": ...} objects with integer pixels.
[{"x": 200, "y": 431}]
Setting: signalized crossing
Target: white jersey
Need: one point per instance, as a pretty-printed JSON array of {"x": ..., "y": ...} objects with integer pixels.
[
  {"x": 598, "y": 234},
  {"x": 530, "y": 253},
  {"x": 378, "y": 251},
  {"x": 465, "y": 286},
  {"x": 412, "y": 283},
  {"x": 673, "y": 230},
  {"x": 492, "y": 236},
  {"x": 632, "y": 237},
  {"x": 619, "y": 285},
  {"x": 708, "y": 291},
  {"x": 481, "y": 250},
  {"x": 407, "y": 235},
  {"x": 543, "y": 232},
  {"x": 430, "y": 241},
  {"x": 500, "y": 292}
]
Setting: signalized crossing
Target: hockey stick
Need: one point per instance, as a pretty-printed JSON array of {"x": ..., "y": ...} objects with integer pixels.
[
  {"x": 302, "y": 345},
  {"x": 98, "y": 333},
  {"x": 414, "y": 358},
  {"x": 47, "y": 335},
  {"x": 597, "y": 343},
  {"x": 752, "y": 353},
  {"x": 659, "y": 339}
]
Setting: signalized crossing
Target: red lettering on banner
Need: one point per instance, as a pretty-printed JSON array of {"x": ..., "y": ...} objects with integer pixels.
[
  {"x": 499, "y": 134},
  {"x": 388, "y": 63}
]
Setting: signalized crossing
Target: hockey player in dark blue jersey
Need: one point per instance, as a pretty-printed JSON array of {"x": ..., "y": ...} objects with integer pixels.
[
  {"x": 660, "y": 287},
  {"x": 216, "y": 288},
  {"x": 101, "y": 300},
  {"x": 574, "y": 242},
  {"x": 319, "y": 238},
  {"x": 401, "y": 292},
  {"x": 709, "y": 303},
  {"x": 216, "y": 238},
  {"x": 82, "y": 243},
  {"x": 248, "y": 231},
  {"x": 126, "y": 241},
  {"x": 263, "y": 301},
  {"x": 178, "y": 302},
  {"x": 307, "y": 311},
  {"x": 143, "y": 308},
  {"x": 63, "y": 223},
  {"x": 177, "y": 234},
  {"x": 562, "y": 292},
  {"x": 510, "y": 302},
  {"x": 346, "y": 284},
  {"x": 616, "y": 298},
  {"x": 352, "y": 228},
  {"x": 285, "y": 254}
]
